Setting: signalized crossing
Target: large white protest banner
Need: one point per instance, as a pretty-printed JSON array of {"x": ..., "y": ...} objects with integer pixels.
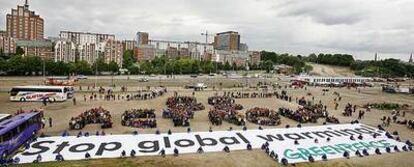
[{"x": 281, "y": 141}]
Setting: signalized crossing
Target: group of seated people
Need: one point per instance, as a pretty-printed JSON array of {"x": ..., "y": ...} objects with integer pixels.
[
  {"x": 139, "y": 118},
  {"x": 305, "y": 114},
  {"x": 216, "y": 116},
  {"x": 92, "y": 116},
  {"x": 263, "y": 116},
  {"x": 332, "y": 119},
  {"x": 186, "y": 101},
  {"x": 179, "y": 115},
  {"x": 225, "y": 109},
  {"x": 147, "y": 94},
  {"x": 181, "y": 109}
]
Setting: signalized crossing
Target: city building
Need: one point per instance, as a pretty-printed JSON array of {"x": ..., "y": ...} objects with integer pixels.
[
  {"x": 144, "y": 52},
  {"x": 128, "y": 45},
  {"x": 65, "y": 50},
  {"x": 80, "y": 38},
  {"x": 239, "y": 58},
  {"x": 87, "y": 52},
  {"x": 254, "y": 57},
  {"x": 411, "y": 59},
  {"x": 7, "y": 45},
  {"x": 244, "y": 47},
  {"x": 42, "y": 48},
  {"x": 228, "y": 41},
  {"x": 3, "y": 33},
  {"x": 181, "y": 49},
  {"x": 172, "y": 52},
  {"x": 112, "y": 51},
  {"x": 90, "y": 46},
  {"x": 142, "y": 38},
  {"x": 23, "y": 24}
]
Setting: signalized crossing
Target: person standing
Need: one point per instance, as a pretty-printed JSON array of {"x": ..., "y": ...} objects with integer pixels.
[
  {"x": 74, "y": 101},
  {"x": 50, "y": 122}
]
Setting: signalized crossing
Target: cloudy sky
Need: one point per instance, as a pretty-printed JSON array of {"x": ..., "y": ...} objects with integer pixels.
[{"x": 358, "y": 27}]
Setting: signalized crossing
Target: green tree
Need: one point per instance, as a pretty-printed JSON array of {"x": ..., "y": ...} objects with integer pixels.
[
  {"x": 113, "y": 67},
  {"x": 128, "y": 59}
]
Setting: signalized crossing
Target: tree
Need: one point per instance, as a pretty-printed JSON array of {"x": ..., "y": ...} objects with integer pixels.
[
  {"x": 113, "y": 67},
  {"x": 19, "y": 51},
  {"x": 128, "y": 59},
  {"x": 82, "y": 67},
  {"x": 227, "y": 66}
]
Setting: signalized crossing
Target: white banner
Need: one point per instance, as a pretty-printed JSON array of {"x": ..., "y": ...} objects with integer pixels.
[{"x": 280, "y": 140}]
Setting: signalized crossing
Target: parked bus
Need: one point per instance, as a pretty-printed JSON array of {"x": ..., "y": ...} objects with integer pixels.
[
  {"x": 17, "y": 131},
  {"x": 38, "y": 93},
  {"x": 4, "y": 117}
]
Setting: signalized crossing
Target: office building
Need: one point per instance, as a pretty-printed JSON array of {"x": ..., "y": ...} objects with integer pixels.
[
  {"x": 228, "y": 41},
  {"x": 23, "y": 24}
]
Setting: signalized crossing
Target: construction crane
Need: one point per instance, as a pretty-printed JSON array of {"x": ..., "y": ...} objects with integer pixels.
[{"x": 206, "y": 34}]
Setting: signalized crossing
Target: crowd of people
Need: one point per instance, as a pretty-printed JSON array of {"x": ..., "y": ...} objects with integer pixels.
[
  {"x": 147, "y": 94},
  {"x": 139, "y": 118},
  {"x": 263, "y": 116},
  {"x": 92, "y": 116},
  {"x": 181, "y": 109},
  {"x": 225, "y": 108},
  {"x": 349, "y": 109},
  {"x": 304, "y": 114},
  {"x": 109, "y": 95}
]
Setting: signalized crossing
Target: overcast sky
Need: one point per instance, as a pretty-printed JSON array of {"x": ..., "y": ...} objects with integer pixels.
[{"x": 358, "y": 27}]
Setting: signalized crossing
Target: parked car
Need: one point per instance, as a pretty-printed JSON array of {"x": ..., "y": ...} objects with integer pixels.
[
  {"x": 81, "y": 77},
  {"x": 143, "y": 80}
]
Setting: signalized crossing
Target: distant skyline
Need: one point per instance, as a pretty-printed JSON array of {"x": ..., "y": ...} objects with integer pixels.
[{"x": 357, "y": 27}]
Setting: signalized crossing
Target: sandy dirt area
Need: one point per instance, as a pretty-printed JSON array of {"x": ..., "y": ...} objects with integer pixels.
[{"x": 62, "y": 112}]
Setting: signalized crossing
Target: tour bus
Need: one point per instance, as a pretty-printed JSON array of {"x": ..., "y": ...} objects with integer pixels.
[
  {"x": 4, "y": 117},
  {"x": 18, "y": 130},
  {"x": 39, "y": 93}
]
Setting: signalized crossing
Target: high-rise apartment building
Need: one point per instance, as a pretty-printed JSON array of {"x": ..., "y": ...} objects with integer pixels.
[
  {"x": 228, "y": 41},
  {"x": 7, "y": 44},
  {"x": 142, "y": 38},
  {"x": 128, "y": 44},
  {"x": 85, "y": 37},
  {"x": 144, "y": 52},
  {"x": 65, "y": 51},
  {"x": 112, "y": 51},
  {"x": 23, "y": 24}
]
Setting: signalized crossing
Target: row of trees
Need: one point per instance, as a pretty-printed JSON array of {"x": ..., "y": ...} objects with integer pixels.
[
  {"x": 33, "y": 65},
  {"x": 383, "y": 68},
  {"x": 331, "y": 59},
  {"x": 297, "y": 62}
]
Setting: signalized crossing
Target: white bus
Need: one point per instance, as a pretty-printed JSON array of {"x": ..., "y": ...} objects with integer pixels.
[{"x": 38, "y": 93}]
